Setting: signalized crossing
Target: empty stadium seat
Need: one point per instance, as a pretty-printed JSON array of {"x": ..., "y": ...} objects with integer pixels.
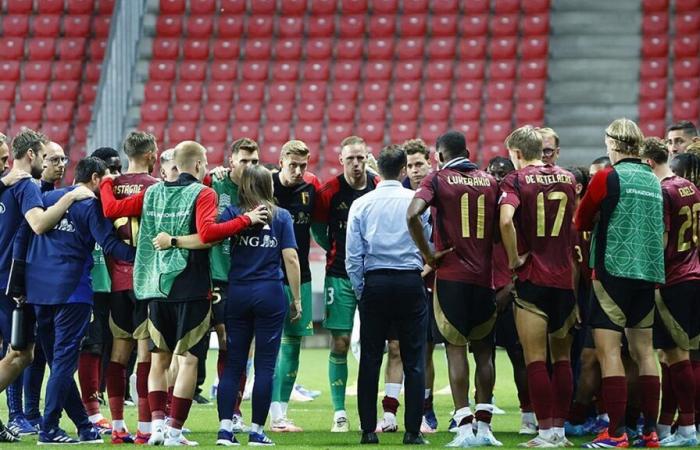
[
  {"x": 285, "y": 71},
  {"x": 216, "y": 112}
]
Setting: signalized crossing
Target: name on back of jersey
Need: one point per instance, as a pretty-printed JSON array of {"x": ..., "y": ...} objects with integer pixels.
[{"x": 548, "y": 179}]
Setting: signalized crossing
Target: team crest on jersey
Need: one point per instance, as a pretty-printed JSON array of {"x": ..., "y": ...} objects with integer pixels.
[
  {"x": 65, "y": 225},
  {"x": 2, "y": 208},
  {"x": 304, "y": 198}
]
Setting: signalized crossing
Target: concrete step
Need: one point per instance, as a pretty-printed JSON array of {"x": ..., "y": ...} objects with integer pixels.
[
  {"x": 581, "y": 135},
  {"x": 587, "y": 114},
  {"x": 592, "y": 92},
  {"x": 595, "y": 46},
  {"x": 145, "y": 48},
  {"x": 593, "y": 22},
  {"x": 595, "y": 5},
  {"x": 149, "y": 25},
  {"x": 580, "y": 156},
  {"x": 571, "y": 69}
]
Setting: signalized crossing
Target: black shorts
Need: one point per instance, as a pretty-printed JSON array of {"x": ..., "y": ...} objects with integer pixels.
[
  {"x": 678, "y": 316},
  {"x": 219, "y": 295},
  {"x": 127, "y": 316},
  {"x": 434, "y": 336},
  {"x": 180, "y": 327},
  {"x": 506, "y": 333},
  {"x": 622, "y": 303},
  {"x": 98, "y": 333},
  {"x": 557, "y": 306},
  {"x": 463, "y": 312}
]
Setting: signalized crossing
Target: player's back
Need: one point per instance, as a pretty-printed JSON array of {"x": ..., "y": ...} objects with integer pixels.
[
  {"x": 543, "y": 220},
  {"x": 681, "y": 217}
]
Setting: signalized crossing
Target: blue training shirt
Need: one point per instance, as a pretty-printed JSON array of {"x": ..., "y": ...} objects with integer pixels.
[
  {"x": 15, "y": 201},
  {"x": 256, "y": 253},
  {"x": 59, "y": 261}
]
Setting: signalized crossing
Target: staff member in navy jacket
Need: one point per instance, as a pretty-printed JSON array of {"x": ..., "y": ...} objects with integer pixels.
[{"x": 58, "y": 285}]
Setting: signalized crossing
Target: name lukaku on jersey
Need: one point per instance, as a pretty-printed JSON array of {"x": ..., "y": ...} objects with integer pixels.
[{"x": 267, "y": 241}]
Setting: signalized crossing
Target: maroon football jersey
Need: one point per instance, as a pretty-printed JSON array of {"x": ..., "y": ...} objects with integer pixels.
[
  {"x": 544, "y": 198},
  {"x": 681, "y": 219},
  {"x": 127, "y": 228},
  {"x": 582, "y": 255},
  {"x": 502, "y": 275},
  {"x": 464, "y": 200}
]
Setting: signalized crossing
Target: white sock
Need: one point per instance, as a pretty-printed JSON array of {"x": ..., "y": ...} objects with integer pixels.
[
  {"x": 275, "y": 411},
  {"x": 118, "y": 425},
  {"x": 686, "y": 430},
  {"x": 226, "y": 425},
  {"x": 558, "y": 431},
  {"x": 284, "y": 406},
  {"x": 144, "y": 427},
  {"x": 482, "y": 427},
  {"x": 604, "y": 417},
  {"x": 529, "y": 417},
  {"x": 427, "y": 393},
  {"x": 174, "y": 432},
  {"x": 461, "y": 414},
  {"x": 338, "y": 414},
  {"x": 95, "y": 418},
  {"x": 392, "y": 390},
  {"x": 158, "y": 424},
  {"x": 546, "y": 434},
  {"x": 255, "y": 428},
  {"x": 663, "y": 430}
]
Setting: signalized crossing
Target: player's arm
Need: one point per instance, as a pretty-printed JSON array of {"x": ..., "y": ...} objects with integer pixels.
[
  {"x": 42, "y": 220},
  {"x": 355, "y": 251},
  {"x": 164, "y": 241},
  {"x": 113, "y": 208},
  {"x": 587, "y": 213},
  {"x": 102, "y": 231},
  {"x": 21, "y": 242},
  {"x": 206, "y": 213},
  {"x": 290, "y": 257},
  {"x": 414, "y": 215},
  {"x": 12, "y": 177},
  {"x": 320, "y": 216},
  {"x": 509, "y": 236}
]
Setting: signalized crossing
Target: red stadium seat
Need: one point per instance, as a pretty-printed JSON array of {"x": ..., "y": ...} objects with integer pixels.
[
  {"x": 165, "y": 48},
  {"x": 442, "y": 48},
  {"x": 656, "y": 23},
  {"x": 291, "y": 27},
  {"x": 169, "y": 26},
  {"x": 439, "y": 70},
  {"x": 192, "y": 70},
  {"x": 534, "y": 69},
  {"x": 80, "y": 6},
  {"x": 67, "y": 70},
  {"x": 652, "y": 89},
  {"x": 5, "y": 108},
  {"x": 307, "y": 111},
  {"x": 259, "y": 26},
  {"x": 685, "y": 89},
  {"x": 338, "y": 131},
  {"x": 263, "y": 7},
  {"x": 317, "y": 71},
  {"x": 413, "y": 25},
  {"x": 188, "y": 92},
  {"x": 241, "y": 130},
  {"x": 506, "y": 25},
  {"x": 255, "y": 70},
  {"x": 371, "y": 132},
  {"x": 33, "y": 91},
  {"x": 683, "y": 110},
  {"x": 535, "y": 47},
  {"x": 202, "y": 6},
  {"x": 500, "y": 90},
  {"x": 653, "y": 128},
  {"x": 219, "y": 91},
  {"x": 654, "y": 5},
  {"x": 251, "y": 91},
  {"x": 435, "y": 110},
  {"x": 506, "y": 6},
  {"x": 232, "y": 6},
  {"x": 28, "y": 111},
  {"x": 98, "y": 47},
  {"x": 344, "y": 90},
  {"x": 468, "y": 90},
  {"x": 686, "y": 46},
  {"x": 372, "y": 112},
  {"x": 195, "y": 49},
  {"x": 503, "y": 48},
  {"x": 293, "y": 7},
  {"x": 470, "y": 70},
  {"x": 308, "y": 132},
  {"x": 406, "y": 90},
  {"x": 226, "y": 50},
  {"x": 154, "y": 112},
  {"x": 351, "y": 26},
  {"x": 15, "y": 25},
  {"x": 105, "y": 6},
  {"x": 472, "y": 48},
  {"x": 283, "y": 92},
  {"x": 279, "y": 111},
  {"x": 200, "y": 27},
  {"x": 400, "y": 132},
  {"x": 50, "y": 6},
  {"x": 216, "y": 150},
  {"x": 157, "y": 91},
  {"x": 247, "y": 112},
  {"x": 13, "y": 48},
  {"x": 258, "y": 49},
  {"x": 74, "y": 48},
  {"x": 436, "y": 90},
  {"x": 172, "y": 6},
  {"x": 64, "y": 90},
  {"x": 88, "y": 92},
  {"x": 686, "y": 68},
  {"x": 84, "y": 113},
  {"x": 7, "y": 91},
  {"x": 341, "y": 111},
  {"x": 535, "y": 25},
  {"x": 474, "y": 25},
  {"x": 37, "y": 71},
  {"x": 285, "y": 71},
  {"x": 385, "y": 6},
  {"x": 347, "y": 70},
  {"x": 20, "y": 6},
  {"x": 382, "y": 26},
  {"x": 410, "y": 48},
  {"x": 375, "y": 91},
  {"x": 530, "y": 90},
  {"x": 39, "y": 49},
  {"x": 687, "y": 5},
  {"x": 76, "y": 26},
  {"x": 223, "y": 71},
  {"x": 350, "y": 49},
  {"x": 378, "y": 70},
  {"x": 59, "y": 111},
  {"x": 404, "y": 111},
  {"x": 320, "y": 26},
  {"x": 445, "y": 25},
  {"x": 415, "y": 6},
  {"x": 216, "y": 112},
  {"x": 94, "y": 69},
  {"x": 430, "y": 131},
  {"x": 502, "y": 70},
  {"x": 181, "y": 131},
  {"x": 687, "y": 23},
  {"x": 491, "y": 150},
  {"x": 652, "y": 110},
  {"x": 535, "y": 6},
  {"x": 496, "y": 131},
  {"x": 658, "y": 68},
  {"x": 465, "y": 111},
  {"x": 318, "y": 48},
  {"x": 655, "y": 46},
  {"x": 157, "y": 129},
  {"x": 529, "y": 112},
  {"x": 186, "y": 112},
  {"x": 229, "y": 26},
  {"x": 445, "y": 6},
  {"x": 9, "y": 70},
  {"x": 57, "y": 131},
  {"x": 380, "y": 49},
  {"x": 46, "y": 26},
  {"x": 470, "y": 131},
  {"x": 313, "y": 90}
]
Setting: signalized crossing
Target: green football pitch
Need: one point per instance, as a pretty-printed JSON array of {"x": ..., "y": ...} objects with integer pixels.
[{"x": 315, "y": 417}]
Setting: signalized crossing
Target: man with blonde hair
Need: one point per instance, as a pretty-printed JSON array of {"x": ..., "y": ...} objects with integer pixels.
[
  {"x": 296, "y": 191},
  {"x": 550, "y": 145}
]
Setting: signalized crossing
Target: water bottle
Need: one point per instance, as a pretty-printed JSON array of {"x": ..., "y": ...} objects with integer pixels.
[{"x": 18, "y": 340}]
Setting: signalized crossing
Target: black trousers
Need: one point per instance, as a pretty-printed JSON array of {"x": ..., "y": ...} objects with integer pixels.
[{"x": 392, "y": 298}]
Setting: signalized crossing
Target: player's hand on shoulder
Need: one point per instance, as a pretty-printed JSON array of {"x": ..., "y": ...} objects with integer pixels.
[
  {"x": 81, "y": 193},
  {"x": 259, "y": 215},
  {"x": 219, "y": 173},
  {"x": 162, "y": 241},
  {"x": 14, "y": 176}
]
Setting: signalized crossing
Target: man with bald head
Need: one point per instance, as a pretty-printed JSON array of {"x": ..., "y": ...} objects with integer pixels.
[
  {"x": 176, "y": 280},
  {"x": 55, "y": 163}
]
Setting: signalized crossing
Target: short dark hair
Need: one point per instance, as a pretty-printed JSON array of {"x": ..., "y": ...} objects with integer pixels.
[
  {"x": 602, "y": 161},
  {"x": 655, "y": 149},
  {"x": 138, "y": 143},
  {"x": 413, "y": 146},
  {"x": 25, "y": 140},
  {"x": 687, "y": 165},
  {"x": 453, "y": 143},
  {"x": 687, "y": 126},
  {"x": 246, "y": 144},
  {"x": 581, "y": 175},
  {"x": 506, "y": 163},
  {"x": 391, "y": 160},
  {"x": 105, "y": 153},
  {"x": 88, "y": 166}
]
